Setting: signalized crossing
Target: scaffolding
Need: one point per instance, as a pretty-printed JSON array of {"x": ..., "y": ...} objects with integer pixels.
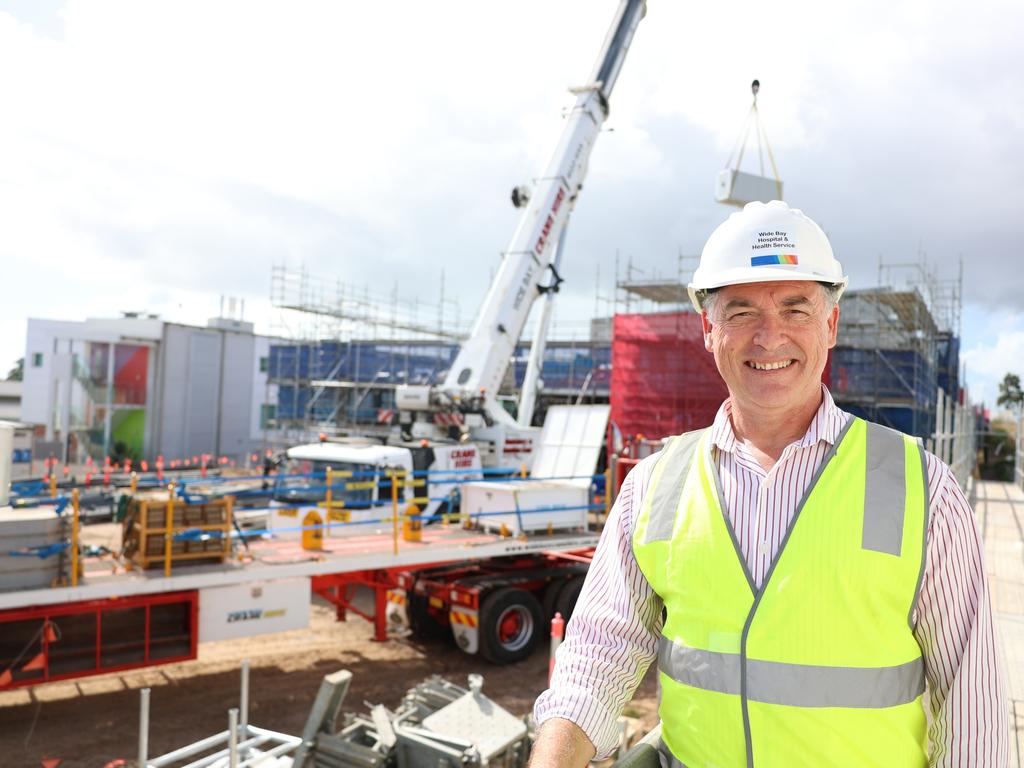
[
  {"x": 898, "y": 348},
  {"x": 337, "y": 331},
  {"x": 638, "y": 293},
  {"x": 663, "y": 380},
  {"x": 346, "y": 350}
]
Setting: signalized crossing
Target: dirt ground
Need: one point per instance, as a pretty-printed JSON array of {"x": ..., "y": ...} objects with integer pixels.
[{"x": 93, "y": 721}]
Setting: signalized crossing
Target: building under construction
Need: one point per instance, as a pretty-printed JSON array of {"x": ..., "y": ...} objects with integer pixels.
[
  {"x": 899, "y": 346},
  {"x": 344, "y": 351}
]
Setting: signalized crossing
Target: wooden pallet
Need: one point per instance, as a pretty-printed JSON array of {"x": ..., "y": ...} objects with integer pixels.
[{"x": 145, "y": 528}]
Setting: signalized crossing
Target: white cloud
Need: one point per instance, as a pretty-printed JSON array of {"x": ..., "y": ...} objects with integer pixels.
[{"x": 165, "y": 153}]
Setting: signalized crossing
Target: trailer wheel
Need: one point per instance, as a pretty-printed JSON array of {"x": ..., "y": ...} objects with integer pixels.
[
  {"x": 565, "y": 603},
  {"x": 551, "y": 593},
  {"x": 510, "y": 625}
]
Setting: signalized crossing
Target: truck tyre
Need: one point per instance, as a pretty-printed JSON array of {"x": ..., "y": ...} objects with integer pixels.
[
  {"x": 510, "y": 625},
  {"x": 551, "y": 593},
  {"x": 565, "y": 603}
]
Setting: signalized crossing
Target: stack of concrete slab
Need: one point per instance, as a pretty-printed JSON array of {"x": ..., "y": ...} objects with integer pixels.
[{"x": 32, "y": 542}]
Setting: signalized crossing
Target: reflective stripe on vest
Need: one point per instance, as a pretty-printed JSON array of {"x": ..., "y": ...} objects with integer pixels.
[
  {"x": 795, "y": 685},
  {"x": 819, "y": 665}
]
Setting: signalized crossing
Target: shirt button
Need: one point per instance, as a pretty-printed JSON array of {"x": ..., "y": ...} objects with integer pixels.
[{"x": 764, "y": 548}]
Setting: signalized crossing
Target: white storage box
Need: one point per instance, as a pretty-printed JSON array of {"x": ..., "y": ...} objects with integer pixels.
[
  {"x": 738, "y": 188},
  {"x": 563, "y": 504}
]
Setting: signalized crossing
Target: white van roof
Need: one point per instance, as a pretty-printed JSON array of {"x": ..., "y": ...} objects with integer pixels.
[{"x": 374, "y": 455}]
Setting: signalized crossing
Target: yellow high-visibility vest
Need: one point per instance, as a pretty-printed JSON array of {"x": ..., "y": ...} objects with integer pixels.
[{"x": 819, "y": 666}]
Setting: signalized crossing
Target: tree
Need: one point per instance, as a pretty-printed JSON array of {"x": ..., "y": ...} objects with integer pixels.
[
  {"x": 1010, "y": 393},
  {"x": 17, "y": 373}
]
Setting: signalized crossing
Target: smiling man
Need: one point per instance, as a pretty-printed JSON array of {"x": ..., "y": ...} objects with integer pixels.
[{"x": 809, "y": 584}]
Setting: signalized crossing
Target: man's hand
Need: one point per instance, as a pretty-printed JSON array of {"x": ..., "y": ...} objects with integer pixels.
[{"x": 561, "y": 744}]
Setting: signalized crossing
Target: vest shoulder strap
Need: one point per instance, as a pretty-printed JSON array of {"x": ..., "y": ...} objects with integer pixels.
[{"x": 673, "y": 468}]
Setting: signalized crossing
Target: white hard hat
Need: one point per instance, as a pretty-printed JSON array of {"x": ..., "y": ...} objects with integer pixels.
[{"x": 762, "y": 243}]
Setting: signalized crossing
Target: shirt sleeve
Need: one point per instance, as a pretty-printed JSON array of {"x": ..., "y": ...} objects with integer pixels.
[
  {"x": 966, "y": 699},
  {"x": 612, "y": 637}
]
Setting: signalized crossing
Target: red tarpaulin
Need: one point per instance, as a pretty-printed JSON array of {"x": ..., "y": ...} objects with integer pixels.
[{"x": 663, "y": 380}]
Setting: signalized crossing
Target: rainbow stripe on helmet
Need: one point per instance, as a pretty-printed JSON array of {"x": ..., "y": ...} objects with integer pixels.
[{"x": 777, "y": 258}]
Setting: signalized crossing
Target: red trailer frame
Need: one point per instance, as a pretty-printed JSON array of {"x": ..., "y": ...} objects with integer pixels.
[{"x": 50, "y": 649}]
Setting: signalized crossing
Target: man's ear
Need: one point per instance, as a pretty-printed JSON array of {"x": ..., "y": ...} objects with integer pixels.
[
  {"x": 833, "y": 326},
  {"x": 706, "y": 327}
]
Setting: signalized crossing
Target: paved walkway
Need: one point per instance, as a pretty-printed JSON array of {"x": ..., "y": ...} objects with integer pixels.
[{"x": 1000, "y": 511}]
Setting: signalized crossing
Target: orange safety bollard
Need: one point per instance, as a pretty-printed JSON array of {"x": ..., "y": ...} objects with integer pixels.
[{"x": 557, "y": 633}]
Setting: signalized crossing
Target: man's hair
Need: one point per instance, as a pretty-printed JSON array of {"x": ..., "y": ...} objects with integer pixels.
[{"x": 829, "y": 292}]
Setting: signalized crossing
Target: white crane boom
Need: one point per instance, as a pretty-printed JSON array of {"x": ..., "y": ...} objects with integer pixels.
[
  {"x": 472, "y": 384},
  {"x": 484, "y": 358}
]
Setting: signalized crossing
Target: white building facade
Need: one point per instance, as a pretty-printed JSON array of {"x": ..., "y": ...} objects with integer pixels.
[{"x": 138, "y": 387}]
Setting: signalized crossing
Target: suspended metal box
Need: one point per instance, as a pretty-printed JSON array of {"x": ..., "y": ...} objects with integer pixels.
[{"x": 739, "y": 188}]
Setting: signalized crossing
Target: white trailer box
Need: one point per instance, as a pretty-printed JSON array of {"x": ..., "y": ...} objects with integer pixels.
[
  {"x": 540, "y": 504},
  {"x": 258, "y": 608},
  {"x": 738, "y": 188},
  {"x": 564, "y": 465}
]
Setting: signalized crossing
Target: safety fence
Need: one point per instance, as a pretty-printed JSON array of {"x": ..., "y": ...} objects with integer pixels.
[
  {"x": 1018, "y": 456},
  {"x": 955, "y": 439},
  {"x": 329, "y": 502}
]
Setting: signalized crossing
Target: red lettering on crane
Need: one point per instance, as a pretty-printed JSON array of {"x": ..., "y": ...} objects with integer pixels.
[{"x": 549, "y": 222}]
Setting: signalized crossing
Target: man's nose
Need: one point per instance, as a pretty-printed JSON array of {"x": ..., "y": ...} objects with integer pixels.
[{"x": 770, "y": 332}]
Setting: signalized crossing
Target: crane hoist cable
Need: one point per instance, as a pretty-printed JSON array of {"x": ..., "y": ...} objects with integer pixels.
[{"x": 753, "y": 119}]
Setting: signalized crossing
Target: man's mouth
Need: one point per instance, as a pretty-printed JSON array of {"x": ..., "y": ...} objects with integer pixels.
[{"x": 769, "y": 365}]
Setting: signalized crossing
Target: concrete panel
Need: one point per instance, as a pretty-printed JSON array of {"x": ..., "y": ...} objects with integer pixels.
[
  {"x": 172, "y": 393},
  {"x": 204, "y": 361},
  {"x": 236, "y": 394}
]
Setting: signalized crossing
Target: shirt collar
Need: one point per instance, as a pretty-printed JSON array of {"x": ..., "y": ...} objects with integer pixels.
[{"x": 826, "y": 425}]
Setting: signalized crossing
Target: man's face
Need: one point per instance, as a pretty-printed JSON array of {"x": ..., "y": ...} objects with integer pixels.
[{"x": 771, "y": 341}]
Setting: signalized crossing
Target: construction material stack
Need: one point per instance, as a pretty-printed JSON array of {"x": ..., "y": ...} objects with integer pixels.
[{"x": 199, "y": 532}]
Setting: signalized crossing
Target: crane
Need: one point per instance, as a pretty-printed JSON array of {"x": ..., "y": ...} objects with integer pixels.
[{"x": 467, "y": 399}]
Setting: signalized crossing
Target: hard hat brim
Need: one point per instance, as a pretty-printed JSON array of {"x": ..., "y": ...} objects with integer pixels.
[{"x": 767, "y": 274}]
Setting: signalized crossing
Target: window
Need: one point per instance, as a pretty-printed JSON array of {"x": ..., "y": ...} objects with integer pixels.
[
  {"x": 37, "y": 359},
  {"x": 268, "y": 412},
  {"x": 264, "y": 362}
]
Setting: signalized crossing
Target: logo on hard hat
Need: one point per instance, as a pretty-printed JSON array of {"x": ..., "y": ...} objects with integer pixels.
[
  {"x": 779, "y": 258},
  {"x": 781, "y": 240}
]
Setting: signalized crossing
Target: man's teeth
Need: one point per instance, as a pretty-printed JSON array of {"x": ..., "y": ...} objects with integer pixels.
[{"x": 769, "y": 366}]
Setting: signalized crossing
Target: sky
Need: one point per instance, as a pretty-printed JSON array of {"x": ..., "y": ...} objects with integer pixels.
[{"x": 155, "y": 156}]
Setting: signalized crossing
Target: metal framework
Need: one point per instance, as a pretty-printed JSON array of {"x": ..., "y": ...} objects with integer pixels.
[
  {"x": 318, "y": 314},
  {"x": 899, "y": 346}
]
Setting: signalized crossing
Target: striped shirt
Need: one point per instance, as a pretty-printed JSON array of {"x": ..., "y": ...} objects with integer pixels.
[{"x": 613, "y": 635}]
